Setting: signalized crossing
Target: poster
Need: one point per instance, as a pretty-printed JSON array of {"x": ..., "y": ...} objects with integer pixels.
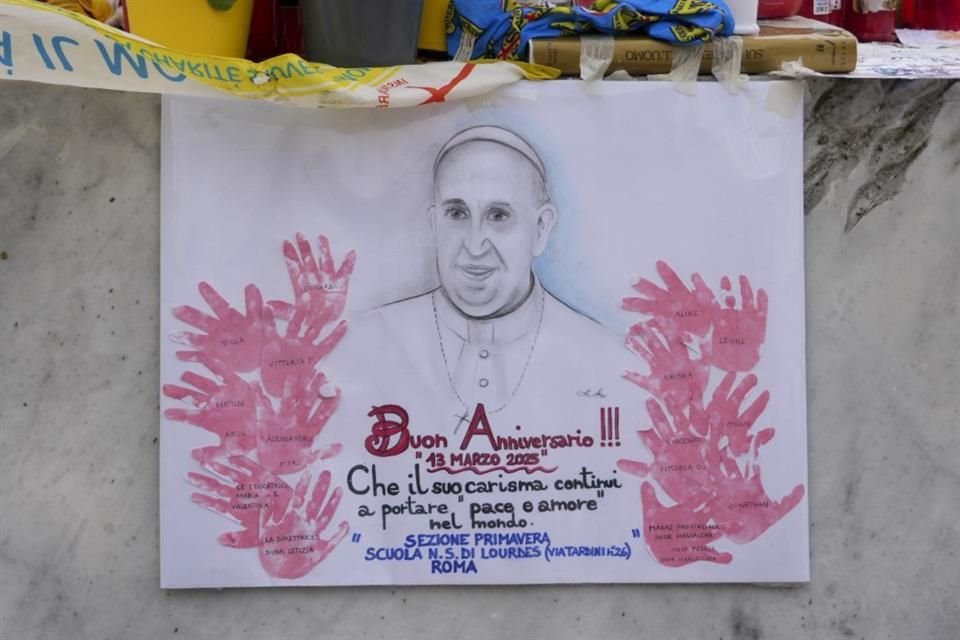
[{"x": 553, "y": 335}]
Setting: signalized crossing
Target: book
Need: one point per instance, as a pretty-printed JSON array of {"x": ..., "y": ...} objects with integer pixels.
[{"x": 819, "y": 46}]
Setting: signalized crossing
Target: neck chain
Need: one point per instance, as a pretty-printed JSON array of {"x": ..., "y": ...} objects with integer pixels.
[{"x": 446, "y": 365}]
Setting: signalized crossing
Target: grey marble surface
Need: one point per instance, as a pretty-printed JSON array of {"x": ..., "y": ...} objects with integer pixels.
[{"x": 79, "y": 281}]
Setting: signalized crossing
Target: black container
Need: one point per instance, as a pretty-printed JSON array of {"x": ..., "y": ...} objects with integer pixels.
[{"x": 361, "y": 33}]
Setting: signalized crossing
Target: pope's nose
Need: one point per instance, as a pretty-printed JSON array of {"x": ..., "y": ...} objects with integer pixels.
[{"x": 476, "y": 243}]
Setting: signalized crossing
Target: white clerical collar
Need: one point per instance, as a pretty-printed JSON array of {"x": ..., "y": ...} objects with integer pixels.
[{"x": 499, "y": 330}]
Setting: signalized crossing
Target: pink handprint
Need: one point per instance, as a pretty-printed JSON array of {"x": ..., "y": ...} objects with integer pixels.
[
  {"x": 725, "y": 415},
  {"x": 292, "y": 357},
  {"x": 292, "y": 543},
  {"x": 326, "y": 285},
  {"x": 228, "y": 336},
  {"x": 741, "y": 506},
  {"x": 672, "y": 371},
  {"x": 285, "y": 436},
  {"x": 679, "y": 452},
  {"x": 738, "y": 334},
  {"x": 679, "y": 535},
  {"x": 225, "y": 409},
  {"x": 676, "y": 308},
  {"x": 253, "y": 496},
  {"x": 697, "y": 451}
]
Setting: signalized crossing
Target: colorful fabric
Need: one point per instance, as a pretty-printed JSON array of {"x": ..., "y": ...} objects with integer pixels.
[{"x": 502, "y": 28}]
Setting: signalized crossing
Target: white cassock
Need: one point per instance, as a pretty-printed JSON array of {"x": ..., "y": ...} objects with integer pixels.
[{"x": 543, "y": 366}]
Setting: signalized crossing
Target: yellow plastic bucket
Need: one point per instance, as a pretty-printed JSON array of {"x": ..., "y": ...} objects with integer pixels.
[
  {"x": 192, "y": 25},
  {"x": 433, "y": 27}
]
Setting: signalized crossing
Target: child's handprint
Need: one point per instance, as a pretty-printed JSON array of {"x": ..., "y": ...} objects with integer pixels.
[
  {"x": 228, "y": 336},
  {"x": 326, "y": 284},
  {"x": 285, "y": 436},
  {"x": 724, "y": 410},
  {"x": 672, "y": 371},
  {"x": 292, "y": 542},
  {"x": 741, "y": 506},
  {"x": 252, "y": 497},
  {"x": 292, "y": 357},
  {"x": 662, "y": 524},
  {"x": 676, "y": 308},
  {"x": 738, "y": 334},
  {"x": 225, "y": 409},
  {"x": 679, "y": 452}
]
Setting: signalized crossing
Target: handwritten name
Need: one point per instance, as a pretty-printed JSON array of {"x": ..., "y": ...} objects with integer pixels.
[
  {"x": 590, "y": 393},
  {"x": 299, "y": 437},
  {"x": 293, "y": 362}
]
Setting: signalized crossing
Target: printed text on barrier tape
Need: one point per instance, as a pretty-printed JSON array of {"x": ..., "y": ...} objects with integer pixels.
[{"x": 55, "y": 40}]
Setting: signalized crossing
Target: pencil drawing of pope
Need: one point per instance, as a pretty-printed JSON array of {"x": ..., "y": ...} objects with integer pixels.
[
  {"x": 490, "y": 333},
  {"x": 491, "y": 215}
]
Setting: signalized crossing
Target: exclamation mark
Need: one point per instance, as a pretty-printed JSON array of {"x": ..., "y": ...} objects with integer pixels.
[
  {"x": 610, "y": 426},
  {"x": 603, "y": 427},
  {"x": 616, "y": 425}
]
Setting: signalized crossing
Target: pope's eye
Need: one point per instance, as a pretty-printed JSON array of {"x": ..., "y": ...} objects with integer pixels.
[
  {"x": 457, "y": 213},
  {"x": 498, "y": 215}
]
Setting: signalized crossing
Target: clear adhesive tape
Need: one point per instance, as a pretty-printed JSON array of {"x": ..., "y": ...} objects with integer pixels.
[
  {"x": 785, "y": 97},
  {"x": 795, "y": 69},
  {"x": 684, "y": 68},
  {"x": 727, "y": 58},
  {"x": 596, "y": 54}
]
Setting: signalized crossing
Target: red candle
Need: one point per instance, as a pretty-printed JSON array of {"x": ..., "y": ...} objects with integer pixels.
[
  {"x": 768, "y": 9},
  {"x": 830, "y": 11},
  {"x": 942, "y": 15},
  {"x": 264, "y": 30},
  {"x": 873, "y": 20},
  {"x": 908, "y": 13},
  {"x": 840, "y": 9}
]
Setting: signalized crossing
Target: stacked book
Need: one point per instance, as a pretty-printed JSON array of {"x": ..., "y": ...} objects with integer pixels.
[{"x": 816, "y": 45}]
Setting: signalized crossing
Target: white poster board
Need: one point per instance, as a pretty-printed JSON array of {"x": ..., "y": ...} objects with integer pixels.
[{"x": 549, "y": 336}]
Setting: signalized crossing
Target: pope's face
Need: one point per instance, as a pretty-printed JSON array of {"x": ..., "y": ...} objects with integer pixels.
[{"x": 490, "y": 222}]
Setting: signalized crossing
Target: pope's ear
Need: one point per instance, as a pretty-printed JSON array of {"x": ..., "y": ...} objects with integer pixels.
[
  {"x": 546, "y": 220},
  {"x": 432, "y": 218}
]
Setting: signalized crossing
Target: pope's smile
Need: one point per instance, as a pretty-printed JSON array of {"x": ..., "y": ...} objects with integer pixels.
[{"x": 476, "y": 271}]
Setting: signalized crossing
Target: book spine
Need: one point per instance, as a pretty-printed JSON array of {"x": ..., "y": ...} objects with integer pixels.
[{"x": 826, "y": 54}]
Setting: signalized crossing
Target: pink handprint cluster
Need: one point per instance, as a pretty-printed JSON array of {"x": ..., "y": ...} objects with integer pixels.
[
  {"x": 263, "y": 396},
  {"x": 705, "y": 448}
]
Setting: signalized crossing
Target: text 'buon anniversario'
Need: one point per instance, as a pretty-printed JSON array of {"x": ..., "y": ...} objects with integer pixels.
[{"x": 470, "y": 520}]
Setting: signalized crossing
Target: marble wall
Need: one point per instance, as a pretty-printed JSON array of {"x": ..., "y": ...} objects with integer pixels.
[{"x": 79, "y": 286}]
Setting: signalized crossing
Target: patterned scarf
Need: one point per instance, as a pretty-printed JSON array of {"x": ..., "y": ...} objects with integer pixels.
[{"x": 502, "y": 28}]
